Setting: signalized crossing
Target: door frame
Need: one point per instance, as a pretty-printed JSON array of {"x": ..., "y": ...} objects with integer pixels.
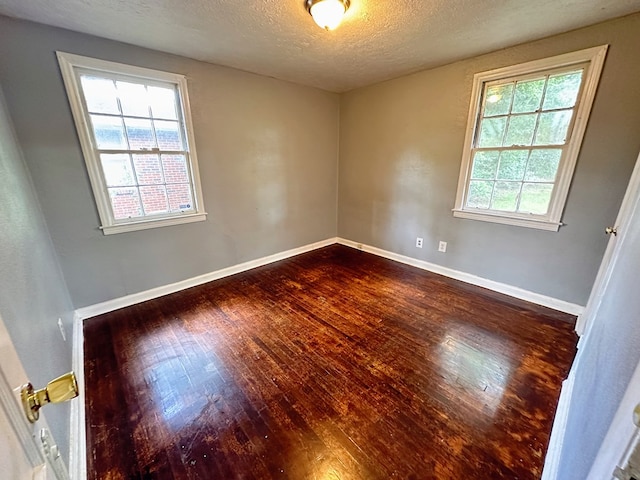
[{"x": 78, "y": 427}]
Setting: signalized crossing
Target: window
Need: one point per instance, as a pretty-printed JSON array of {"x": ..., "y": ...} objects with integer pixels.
[
  {"x": 524, "y": 132},
  {"x": 135, "y": 131}
]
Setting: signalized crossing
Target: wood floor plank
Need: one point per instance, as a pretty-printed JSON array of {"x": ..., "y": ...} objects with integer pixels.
[{"x": 334, "y": 364}]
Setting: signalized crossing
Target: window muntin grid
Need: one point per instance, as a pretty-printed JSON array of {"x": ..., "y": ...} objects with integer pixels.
[
  {"x": 139, "y": 136},
  {"x": 523, "y": 129}
]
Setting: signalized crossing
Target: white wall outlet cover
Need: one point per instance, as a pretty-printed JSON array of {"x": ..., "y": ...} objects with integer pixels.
[
  {"x": 419, "y": 242},
  {"x": 442, "y": 247}
]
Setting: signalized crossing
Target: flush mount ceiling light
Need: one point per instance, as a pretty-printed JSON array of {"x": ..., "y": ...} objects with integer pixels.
[{"x": 327, "y": 13}]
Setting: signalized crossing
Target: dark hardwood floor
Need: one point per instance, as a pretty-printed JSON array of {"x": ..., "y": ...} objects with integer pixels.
[{"x": 334, "y": 364}]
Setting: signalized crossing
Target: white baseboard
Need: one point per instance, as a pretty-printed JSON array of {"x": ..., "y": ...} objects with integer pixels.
[
  {"x": 128, "y": 300},
  {"x": 554, "y": 452},
  {"x": 77, "y": 431},
  {"x": 510, "y": 290},
  {"x": 117, "y": 303}
]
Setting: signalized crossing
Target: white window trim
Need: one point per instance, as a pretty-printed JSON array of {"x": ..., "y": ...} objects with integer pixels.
[
  {"x": 552, "y": 221},
  {"x": 68, "y": 62}
]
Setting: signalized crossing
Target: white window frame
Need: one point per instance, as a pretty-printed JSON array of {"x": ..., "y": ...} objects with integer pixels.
[
  {"x": 594, "y": 57},
  {"x": 70, "y": 65}
]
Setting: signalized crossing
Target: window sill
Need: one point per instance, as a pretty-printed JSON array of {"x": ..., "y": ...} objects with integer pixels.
[
  {"x": 506, "y": 220},
  {"x": 155, "y": 223}
]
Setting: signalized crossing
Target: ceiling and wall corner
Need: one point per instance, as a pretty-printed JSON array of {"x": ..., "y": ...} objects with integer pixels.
[
  {"x": 266, "y": 155},
  {"x": 377, "y": 40},
  {"x": 400, "y": 152}
]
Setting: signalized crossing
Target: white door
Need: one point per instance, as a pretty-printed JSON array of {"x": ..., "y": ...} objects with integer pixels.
[
  {"x": 616, "y": 275},
  {"x": 23, "y": 453},
  {"x": 610, "y": 278}
]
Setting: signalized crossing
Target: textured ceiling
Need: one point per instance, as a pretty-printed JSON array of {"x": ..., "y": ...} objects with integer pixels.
[{"x": 378, "y": 39}]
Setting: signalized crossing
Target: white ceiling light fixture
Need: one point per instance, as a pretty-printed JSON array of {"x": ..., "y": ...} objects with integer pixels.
[{"x": 327, "y": 13}]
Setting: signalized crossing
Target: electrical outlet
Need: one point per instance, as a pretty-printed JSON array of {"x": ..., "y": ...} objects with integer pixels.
[
  {"x": 62, "y": 332},
  {"x": 419, "y": 242},
  {"x": 442, "y": 246}
]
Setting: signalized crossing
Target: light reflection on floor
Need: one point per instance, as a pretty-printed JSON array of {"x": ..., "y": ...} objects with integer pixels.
[
  {"x": 171, "y": 381},
  {"x": 464, "y": 366}
]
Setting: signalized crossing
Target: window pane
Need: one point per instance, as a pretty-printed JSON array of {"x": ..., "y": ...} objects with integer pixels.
[
  {"x": 180, "y": 198},
  {"x": 175, "y": 169},
  {"x": 154, "y": 199},
  {"x": 535, "y": 198},
  {"x": 148, "y": 169},
  {"x": 163, "y": 102},
  {"x": 543, "y": 165},
  {"x": 125, "y": 203},
  {"x": 520, "y": 131},
  {"x": 117, "y": 170},
  {"x": 108, "y": 132},
  {"x": 485, "y": 165},
  {"x": 562, "y": 90},
  {"x": 552, "y": 128},
  {"x": 505, "y": 196},
  {"x": 168, "y": 134},
  {"x": 100, "y": 95},
  {"x": 133, "y": 99},
  {"x": 139, "y": 133},
  {"x": 492, "y": 132},
  {"x": 528, "y": 96},
  {"x": 479, "y": 194},
  {"x": 498, "y": 100},
  {"x": 512, "y": 164}
]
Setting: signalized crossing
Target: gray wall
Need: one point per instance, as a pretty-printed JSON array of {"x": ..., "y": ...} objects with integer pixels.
[
  {"x": 267, "y": 152},
  {"x": 606, "y": 361},
  {"x": 33, "y": 294},
  {"x": 400, "y": 153}
]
